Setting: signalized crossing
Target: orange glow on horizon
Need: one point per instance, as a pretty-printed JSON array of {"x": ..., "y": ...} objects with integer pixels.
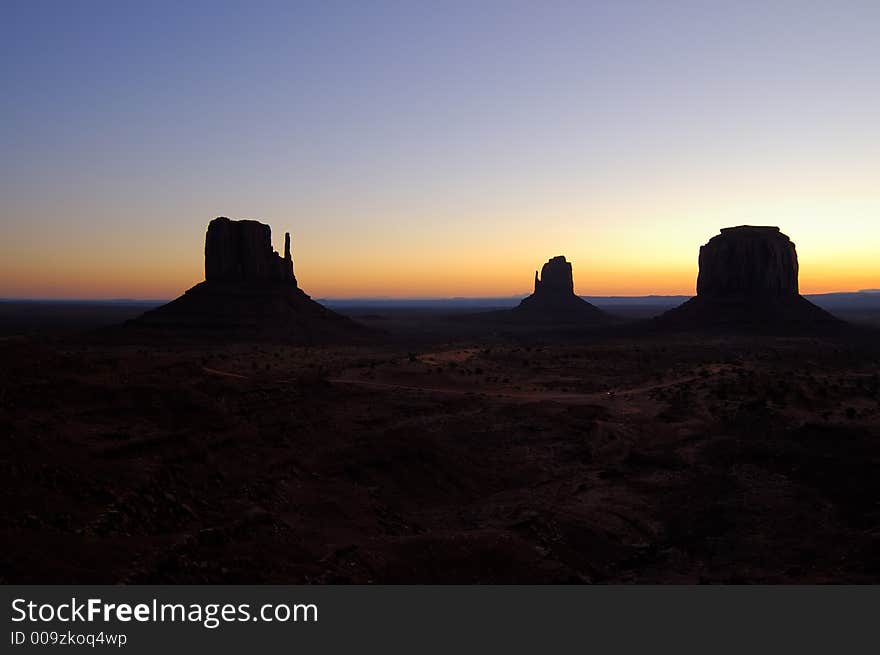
[
  {"x": 105, "y": 281},
  {"x": 613, "y": 253}
]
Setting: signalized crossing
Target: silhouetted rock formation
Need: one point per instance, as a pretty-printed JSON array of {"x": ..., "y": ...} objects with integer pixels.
[
  {"x": 241, "y": 251},
  {"x": 556, "y": 278},
  {"x": 748, "y": 261},
  {"x": 747, "y": 276},
  {"x": 249, "y": 291},
  {"x": 554, "y": 299}
]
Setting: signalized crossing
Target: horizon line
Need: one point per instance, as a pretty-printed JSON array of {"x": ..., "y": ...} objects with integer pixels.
[{"x": 519, "y": 296}]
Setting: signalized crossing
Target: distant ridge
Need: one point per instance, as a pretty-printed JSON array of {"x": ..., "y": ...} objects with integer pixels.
[{"x": 833, "y": 298}]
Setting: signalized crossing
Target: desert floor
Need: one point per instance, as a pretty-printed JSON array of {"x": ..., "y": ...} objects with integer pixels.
[{"x": 677, "y": 459}]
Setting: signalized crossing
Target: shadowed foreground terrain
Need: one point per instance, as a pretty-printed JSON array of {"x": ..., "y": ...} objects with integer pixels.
[{"x": 685, "y": 459}]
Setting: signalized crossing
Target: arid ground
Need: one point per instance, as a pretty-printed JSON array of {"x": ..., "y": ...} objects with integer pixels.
[{"x": 604, "y": 459}]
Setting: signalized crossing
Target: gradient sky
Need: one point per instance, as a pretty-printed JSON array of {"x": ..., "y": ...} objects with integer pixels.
[{"x": 435, "y": 149}]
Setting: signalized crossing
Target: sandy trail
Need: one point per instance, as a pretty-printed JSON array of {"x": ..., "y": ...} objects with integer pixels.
[
  {"x": 528, "y": 396},
  {"x": 226, "y": 374},
  {"x": 520, "y": 396}
]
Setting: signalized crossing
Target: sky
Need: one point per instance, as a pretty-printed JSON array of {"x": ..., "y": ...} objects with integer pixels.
[{"x": 431, "y": 149}]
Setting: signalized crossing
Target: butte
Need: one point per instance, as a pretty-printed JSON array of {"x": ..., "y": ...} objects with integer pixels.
[
  {"x": 554, "y": 299},
  {"x": 748, "y": 277},
  {"x": 249, "y": 292}
]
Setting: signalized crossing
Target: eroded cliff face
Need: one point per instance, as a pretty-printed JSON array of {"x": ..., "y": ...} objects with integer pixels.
[
  {"x": 748, "y": 261},
  {"x": 241, "y": 251}
]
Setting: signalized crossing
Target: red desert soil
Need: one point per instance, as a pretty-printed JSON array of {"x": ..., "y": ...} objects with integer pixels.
[{"x": 676, "y": 460}]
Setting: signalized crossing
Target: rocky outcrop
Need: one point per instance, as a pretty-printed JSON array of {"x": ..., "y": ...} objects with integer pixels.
[
  {"x": 748, "y": 277},
  {"x": 249, "y": 292},
  {"x": 241, "y": 251},
  {"x": 748, "y": 261},
  {"x": 556, "y": 278},
  {"x": 554, "y": 299}
]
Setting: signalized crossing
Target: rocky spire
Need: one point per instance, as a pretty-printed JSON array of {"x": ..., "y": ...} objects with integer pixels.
[{"x": 287, "y": 267}]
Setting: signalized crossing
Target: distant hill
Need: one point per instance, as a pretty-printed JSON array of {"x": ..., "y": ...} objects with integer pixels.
[
  {"x": 859, "y": 306},
  {"x": 26, "y": 314}
]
